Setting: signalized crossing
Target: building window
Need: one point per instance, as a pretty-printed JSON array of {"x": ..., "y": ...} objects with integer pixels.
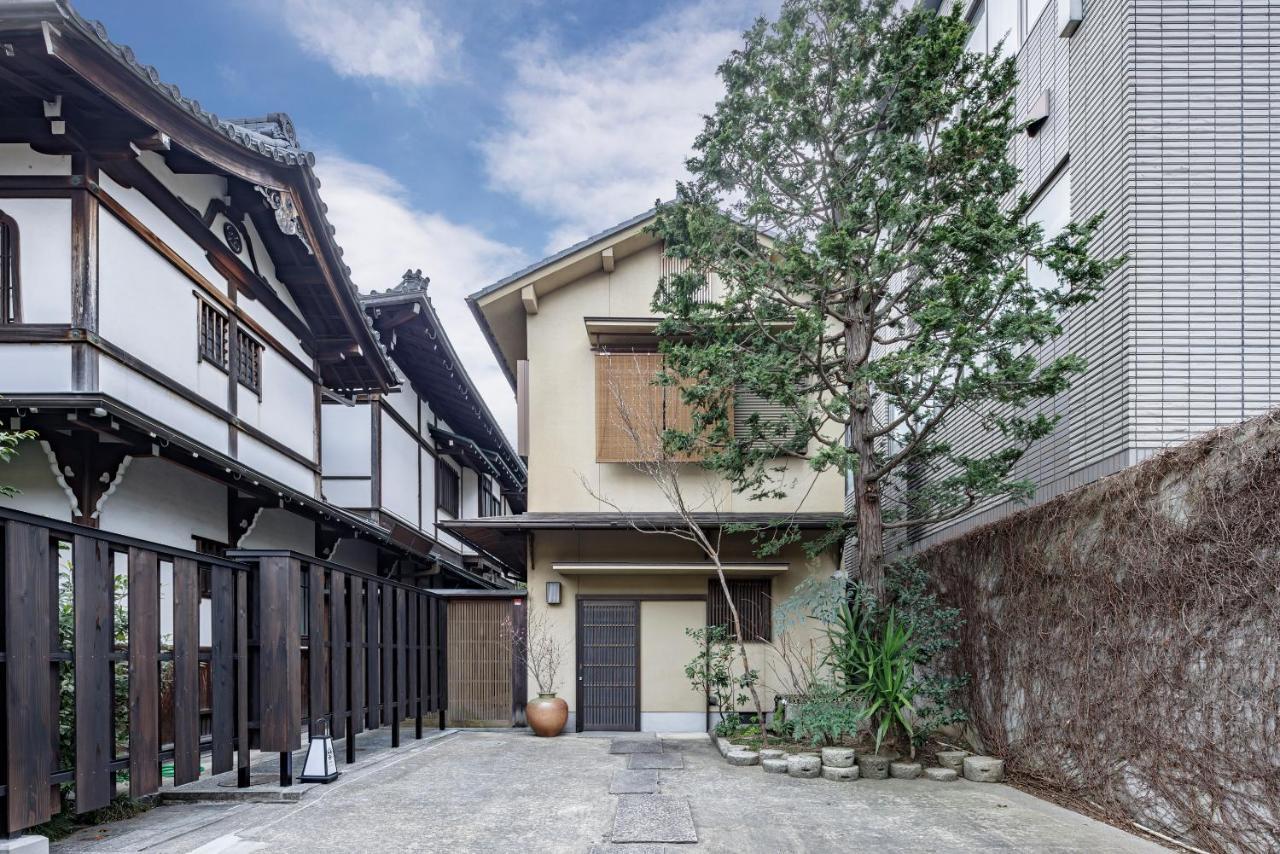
[
  {"x": 1052, "y": 210},
  {"x": 672, "y": 266},
  {"x": 214, "y": 343},
  {"x": 10, "y": 302},
  {"x": 248, "y": 362},
  {"x": 751, "y": 598},
  {"x": 993, "y": 20},
  {"x": 632, "y": 412},
  {"x": 490, "y": 502},
  {"x": 448, "y": 489}
]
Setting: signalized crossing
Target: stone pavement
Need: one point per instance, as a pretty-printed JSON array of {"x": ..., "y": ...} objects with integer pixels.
[{"x": 509, "y": 791}]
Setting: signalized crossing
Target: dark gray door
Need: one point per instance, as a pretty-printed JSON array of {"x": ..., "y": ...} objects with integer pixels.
[{"x": 608, "y": 664}]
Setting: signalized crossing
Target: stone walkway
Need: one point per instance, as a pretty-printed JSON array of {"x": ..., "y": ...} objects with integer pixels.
[{"x": 509, "y": 791}]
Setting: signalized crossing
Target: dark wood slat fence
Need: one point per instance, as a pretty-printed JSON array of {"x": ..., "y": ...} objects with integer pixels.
[{"x": 184, "y": 658}]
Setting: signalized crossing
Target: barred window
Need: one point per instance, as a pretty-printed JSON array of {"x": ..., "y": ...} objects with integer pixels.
[
  {"x": 672, "y": 266},
  {"x": 214, "y": 343},
  {"x": 448, "y": 490},
  {"x": 490, "y": 503},
  {"x": 751, "y": 598},
  {"x": 248, "y": 362},
  {"x": 10, "y": 304}
]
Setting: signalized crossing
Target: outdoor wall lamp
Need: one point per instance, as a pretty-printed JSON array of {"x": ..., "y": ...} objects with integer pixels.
[{"x": 553, "y": 592}]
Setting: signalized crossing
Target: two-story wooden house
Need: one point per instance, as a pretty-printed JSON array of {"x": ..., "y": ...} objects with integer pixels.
[
  {"x": 569, "y": 331},
  {"x": 177, "y": 319}
]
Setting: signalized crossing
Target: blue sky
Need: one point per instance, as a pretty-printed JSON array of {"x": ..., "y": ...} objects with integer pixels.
[{"x": 463, "y": 138}]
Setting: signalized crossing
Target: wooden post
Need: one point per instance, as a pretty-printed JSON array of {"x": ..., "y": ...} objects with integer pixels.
[
  {"x": 93, "y": 694},
  {"x": 279, "y": 657}
]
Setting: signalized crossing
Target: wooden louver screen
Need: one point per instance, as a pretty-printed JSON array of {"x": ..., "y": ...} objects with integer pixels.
[
  {"x": 751, "y": 598},
  {"x": 480, "y": 655},
  {"x": 629, "y": 407}
]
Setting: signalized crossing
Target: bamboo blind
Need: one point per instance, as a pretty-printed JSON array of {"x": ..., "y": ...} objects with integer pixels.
[
  {"x": 479, "y": 649},
  {"x": 629, "y": 407}
]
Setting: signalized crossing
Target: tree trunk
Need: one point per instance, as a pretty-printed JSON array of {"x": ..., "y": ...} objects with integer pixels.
[{"x": 866, "y": 507}]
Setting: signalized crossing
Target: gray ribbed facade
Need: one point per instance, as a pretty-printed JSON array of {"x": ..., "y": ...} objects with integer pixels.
[{"x": 1164, "y": 113}]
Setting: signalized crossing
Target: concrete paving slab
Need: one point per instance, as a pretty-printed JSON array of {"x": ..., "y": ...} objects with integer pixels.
[
  {"x": 627, "y": 848},
  {"x": 662, "y": 761},
  {"x": 653, "y": 818},
  {"x": 635, "y": 745},
  {"x": 629, "y": 782}
]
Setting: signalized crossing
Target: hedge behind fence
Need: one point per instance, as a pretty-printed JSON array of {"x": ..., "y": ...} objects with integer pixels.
[{"x": 1124, "y": 639}]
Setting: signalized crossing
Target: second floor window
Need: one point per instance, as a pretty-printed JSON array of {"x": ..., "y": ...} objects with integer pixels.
[
  {"x": 448, "y": 490},
  {"x": 632, "y": 411},
  {"x": 490, "y": 503},
  {"x": 215, "y": 347},
  {"x": 248, "y": 362},
  {"x": 10, "y": 305}
]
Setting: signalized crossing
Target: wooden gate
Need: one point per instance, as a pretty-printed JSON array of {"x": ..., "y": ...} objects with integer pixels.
[
  {"x": 486, "y": 665},
  {"x": 608, "y": 664}
]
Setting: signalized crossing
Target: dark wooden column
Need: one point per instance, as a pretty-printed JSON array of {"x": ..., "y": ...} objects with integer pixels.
[
  {"x": 279, "y": 659},
  {"x": 93, "y": 632},
  {"x": 84, "y": 273}
]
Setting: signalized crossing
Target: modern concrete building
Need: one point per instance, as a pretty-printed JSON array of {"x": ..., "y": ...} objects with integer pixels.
[
  {"x": 1160, "y": 113},
  {"x": 575, "y": 334}
]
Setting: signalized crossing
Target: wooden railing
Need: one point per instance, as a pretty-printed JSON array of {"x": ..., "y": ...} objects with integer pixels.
[{"x": 121, "y": 656}]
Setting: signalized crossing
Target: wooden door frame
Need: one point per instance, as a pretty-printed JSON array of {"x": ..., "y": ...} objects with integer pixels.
[{"x": 637, "y": 599}]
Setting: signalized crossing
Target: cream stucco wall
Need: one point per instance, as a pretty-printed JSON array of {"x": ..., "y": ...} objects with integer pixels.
[{"x": 562, "y": 410}]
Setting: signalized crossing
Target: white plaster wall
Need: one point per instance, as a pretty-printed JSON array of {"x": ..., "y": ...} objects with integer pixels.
[
  {"x": 404, "y": 402},
  {"x": 18, "y": 158},
  {"x": 163, "y": 502},
  {"x": 286, "y": 411},
  {"x": 428, "y": 504},
  {"x": 35, "y": 368},
  {"x": 399, "y": 471},
  {"x": 355, "y": 494},
  {"x": 272, "y": 463},
  {"x": 344, "y": 439},
  {"x": 277, "y": 528},
  {"x": 44, "y": 257},
  {"x": 470, "y": 494},
  {"x": 161, "y": 405},
  {"x": 31, "y": 473},
  {"x": 267, "y": 267},
  {"x": 274, "y": 326}
]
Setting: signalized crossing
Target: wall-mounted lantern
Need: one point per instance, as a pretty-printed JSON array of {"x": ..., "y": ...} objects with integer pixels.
[{"x": 553, "y": 592}]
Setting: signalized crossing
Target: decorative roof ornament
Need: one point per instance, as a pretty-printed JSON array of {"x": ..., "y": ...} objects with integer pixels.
[
  {"x": 412, "y": 281},
  {"x": 286, "y": 213}
]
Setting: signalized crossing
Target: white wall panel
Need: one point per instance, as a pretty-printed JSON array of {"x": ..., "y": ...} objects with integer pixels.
[
  {"x": 161, "y": 405},
  {"x": 428, "y": 492},
  {"x": 286, "y": 411},
  {"x": 399, "y": 471},
  {"x": 31, "y": 473},
  {"x": 35, "y": 368},
  {"x": 161, "y": 501},
  {"x": 344, "y": 440},
  {"x": 44, "y": 247},
  {"x": 18, "y": 158},
  {"x": 348, "y": 493},
  {"x": 272, "y": 463},
  {"x": 277, "y": 528}
]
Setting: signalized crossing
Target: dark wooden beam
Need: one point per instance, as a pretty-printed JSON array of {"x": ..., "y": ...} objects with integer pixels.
[{"x": 88, "y": 467}]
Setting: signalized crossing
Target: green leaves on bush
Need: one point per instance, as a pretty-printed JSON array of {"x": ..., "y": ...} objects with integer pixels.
[
  {"x": 874, "y": 663},
  {"x": 711, "y": 671},
  {"x": 824, "y": 716}
]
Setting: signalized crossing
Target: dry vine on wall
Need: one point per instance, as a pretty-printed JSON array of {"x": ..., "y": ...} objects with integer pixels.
[{"x": 1124, "y": 640}]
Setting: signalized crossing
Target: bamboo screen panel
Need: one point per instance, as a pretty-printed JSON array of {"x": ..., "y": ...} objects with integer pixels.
[
  {"x": 479, "y": 669},
  {"x": 629, "y": 411}
]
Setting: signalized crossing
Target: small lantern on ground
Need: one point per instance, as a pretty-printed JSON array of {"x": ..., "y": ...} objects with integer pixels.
[{"x": 320, "y": 766}]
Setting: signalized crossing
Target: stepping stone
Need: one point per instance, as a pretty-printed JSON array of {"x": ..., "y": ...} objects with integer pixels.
[
  {"x": 723, "y": 745},
  {"x": 805, "y": 765},
  {"x": 653, "y": 818},
  {"x": 941, "y": 775},
  {"x": 774, "y": 766},
  {"x": 743, "y": 757},
  {"x": 953, "y": 759},
  {"x": 628, "y": 782},
  {"x": 983, "y": 769},
  {"x": 873, "y": 766},
  {"x": 635, "y": 744},
  {"x": 772, "y": 753},
  {"x": 904, "y": 770},
  {"x": 839, "y": 774},
  {"x": 628, "y": 849},
  {"x": 837, "y": 757},
  {"x": 663, "y": 761}
]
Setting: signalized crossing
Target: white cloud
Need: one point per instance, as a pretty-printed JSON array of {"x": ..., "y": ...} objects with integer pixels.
[
  {"x": 395, "y": 41},
  {"x": 382, "y": 234},
  {"x": 594, "y": 136}
]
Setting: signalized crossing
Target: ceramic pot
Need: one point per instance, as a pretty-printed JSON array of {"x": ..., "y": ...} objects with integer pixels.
[{"x": 547, "y": 715}]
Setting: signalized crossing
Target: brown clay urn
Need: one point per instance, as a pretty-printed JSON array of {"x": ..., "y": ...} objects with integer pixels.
[{"x": 547, "y": 714}]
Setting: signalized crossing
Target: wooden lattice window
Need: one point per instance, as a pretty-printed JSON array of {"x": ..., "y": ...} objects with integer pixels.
[
  {"x": 632, "y": 412},
  {"x": 672, "y": 266},
  {"x": 448, "y": 490},
  {"x": 248, "y": 362},
  {"x": 214, "y": 342},
  {"x": 490, "y": 503},
  {"x": 10, "y": 294},
  {"x": 751, "y": 598}
]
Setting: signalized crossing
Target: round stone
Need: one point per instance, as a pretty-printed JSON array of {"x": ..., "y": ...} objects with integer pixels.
[
  {"x": 983, "y": 769},
  {"x": 953, "y": 759},
  {"x": 904, "y": 770},
  {"x": 941, "y": 775},
  {"x": 839, "y": 773},
  {"x": 774, "y": 766},
  {"x": 772, "y": 753},
  {"x": 742, "y": 757},
  {"x": 804, "y": 765},
  {"x": 873, "y": 766},
  {"x": 837, "y": 757}
]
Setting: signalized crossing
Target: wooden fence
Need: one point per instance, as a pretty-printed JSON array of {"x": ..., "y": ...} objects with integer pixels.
[
  {"x": 486, "y": 654},
  {"x": 121, "y": 656}
]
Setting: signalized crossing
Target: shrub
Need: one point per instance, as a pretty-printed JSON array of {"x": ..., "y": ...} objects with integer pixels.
[
  {"x": 711, "y": 671},
  {"x": 825, "y": 716}
]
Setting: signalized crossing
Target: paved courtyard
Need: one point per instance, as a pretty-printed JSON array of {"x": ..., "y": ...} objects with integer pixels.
[{"x": 510, "y": 791}]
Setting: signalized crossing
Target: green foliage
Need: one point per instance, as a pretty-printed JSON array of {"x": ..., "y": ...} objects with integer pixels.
[
  {"x": 854, "y": 195},
  {"x": 935, "y": 633},
  {"x": 711, "y": 671},
  {"x": 9, "y": 441},
  {"x": 824, "y": 716}
]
